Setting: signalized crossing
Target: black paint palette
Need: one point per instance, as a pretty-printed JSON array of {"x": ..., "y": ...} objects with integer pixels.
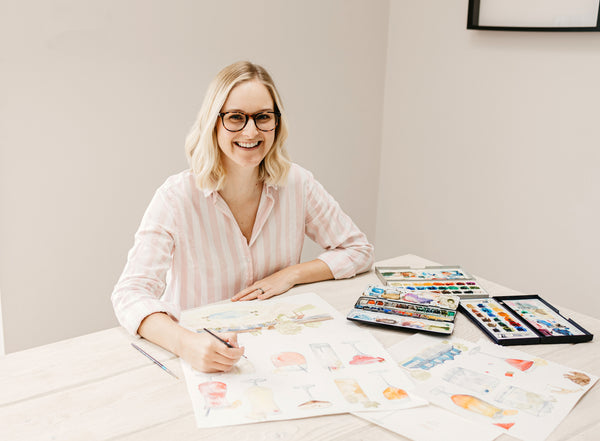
[{"x": 522, "y": 320}]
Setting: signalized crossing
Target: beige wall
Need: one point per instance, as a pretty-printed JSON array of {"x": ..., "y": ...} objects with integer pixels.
[
  {"x": 490, "y": 154},
  {"x": 97, "y": 98}
]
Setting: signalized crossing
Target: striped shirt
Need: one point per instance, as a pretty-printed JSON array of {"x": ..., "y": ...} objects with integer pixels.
[{"x": 189, "y": 250}]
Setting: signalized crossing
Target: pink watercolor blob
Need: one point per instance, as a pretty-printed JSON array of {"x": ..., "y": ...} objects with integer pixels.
[
  {"x": 289, "y": 359},
  {"x": 213, "y": 392},
  {"x": 365, "y": 359}
]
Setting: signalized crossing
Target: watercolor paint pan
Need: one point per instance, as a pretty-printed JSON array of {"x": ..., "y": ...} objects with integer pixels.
[
  {"x": 513, "y": 320},
  {"x": 437, "y": 279},
  {"x": 391, "y": 306}
]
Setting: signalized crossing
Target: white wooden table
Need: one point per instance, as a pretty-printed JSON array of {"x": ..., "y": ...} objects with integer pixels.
[{"x": 97, "y": 387}]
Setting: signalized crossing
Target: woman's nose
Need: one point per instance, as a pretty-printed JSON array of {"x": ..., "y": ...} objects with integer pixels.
[{"x": 250, "y": 128}]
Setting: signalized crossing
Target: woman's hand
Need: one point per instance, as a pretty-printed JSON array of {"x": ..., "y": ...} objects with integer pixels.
[
  {"x": 273, "y": 285},
  {"x": 207, "y": 354},
  {"x": 281, "y": 281},
  {"x": 203, "y": 351}
]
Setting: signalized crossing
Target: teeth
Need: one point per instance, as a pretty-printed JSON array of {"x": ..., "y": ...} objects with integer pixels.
[{"x": 247, "y": 145}]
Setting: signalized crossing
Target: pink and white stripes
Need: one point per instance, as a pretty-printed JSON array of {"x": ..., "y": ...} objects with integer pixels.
[{"x": 189, "y": 250}]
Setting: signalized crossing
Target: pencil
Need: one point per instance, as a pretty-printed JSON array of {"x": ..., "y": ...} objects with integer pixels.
[
  {"x": 158, "y": 363},
  {"x": 221, "y": 340}
]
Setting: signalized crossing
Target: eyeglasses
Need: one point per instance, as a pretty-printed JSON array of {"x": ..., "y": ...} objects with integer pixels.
[{"x": 236, "y": 121}]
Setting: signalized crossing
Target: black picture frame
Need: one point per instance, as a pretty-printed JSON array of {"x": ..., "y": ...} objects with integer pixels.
[{"x": 473, "y": 23}]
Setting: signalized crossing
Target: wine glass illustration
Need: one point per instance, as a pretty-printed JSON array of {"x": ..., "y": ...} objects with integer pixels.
[
  {"x": 391, "y": 392},
  {"x": 520, "y": 364},
  {"x": 311, "y": 403},
  {"x": 362, "y": 358},
  {"x": 289, "y": 361}
]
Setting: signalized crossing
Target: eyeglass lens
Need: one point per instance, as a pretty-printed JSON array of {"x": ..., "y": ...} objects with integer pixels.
[{"x": 236, "y": 121}]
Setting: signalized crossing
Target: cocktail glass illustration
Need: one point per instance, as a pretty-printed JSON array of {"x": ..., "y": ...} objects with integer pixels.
[
  {"x": 477, "y": 405},
  {"x": 522, "y": 365},
  {"x": 471, "y": 380},
  {"x": 260, "y": 398},
  {"x": 527, "y": 401},
  {"x": 327, "y": 356},
  {"x": 311, "y": 403},
  {"x": 213, "y": 393},
  {"x": 361, "y": 357},
  {"x": 289, "y": 361},
  {"x": 391, "y": 392},
  {"x": 353, "y": 393}
]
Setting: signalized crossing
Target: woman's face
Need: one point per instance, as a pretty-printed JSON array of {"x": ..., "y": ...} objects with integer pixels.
[{"x": 248, "y": 147}]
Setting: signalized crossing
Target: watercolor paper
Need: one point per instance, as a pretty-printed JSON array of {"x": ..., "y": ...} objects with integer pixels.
[
  {"x": 526, "y": 396},
  {"x": 428, "y": 423},
  {"x": 303, "y": 359}
]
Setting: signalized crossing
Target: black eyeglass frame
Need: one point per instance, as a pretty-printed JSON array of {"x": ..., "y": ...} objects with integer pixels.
[{"x": 253, "y": 116}]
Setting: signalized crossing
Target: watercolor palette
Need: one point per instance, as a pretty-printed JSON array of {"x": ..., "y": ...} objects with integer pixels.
[
  {"x": 394, "y": 307},
  {"x": 437, "y": 279},
  {"x": 523, "y": 320}
]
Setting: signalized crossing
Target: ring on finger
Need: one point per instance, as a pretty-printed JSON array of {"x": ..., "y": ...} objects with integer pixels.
[{"x": 262, "y": 291}]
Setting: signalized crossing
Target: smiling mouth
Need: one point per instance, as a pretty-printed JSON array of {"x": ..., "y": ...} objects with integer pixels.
[{"x": 248, "y": 145}]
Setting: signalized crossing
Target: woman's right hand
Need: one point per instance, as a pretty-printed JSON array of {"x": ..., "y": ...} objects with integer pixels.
[{"x": 207, "y": 354}]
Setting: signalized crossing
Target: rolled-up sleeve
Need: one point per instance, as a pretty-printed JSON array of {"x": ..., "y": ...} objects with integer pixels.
[
  {"x": 137, "y": 293},
  {"x": 347, "y": 250}
]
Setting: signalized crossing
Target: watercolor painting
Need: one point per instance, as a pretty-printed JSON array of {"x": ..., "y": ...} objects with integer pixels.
[
  {"x": 525, "y": 396},
  {"x": 287, "y": 317},
  {"x": 303, "y": 359}
]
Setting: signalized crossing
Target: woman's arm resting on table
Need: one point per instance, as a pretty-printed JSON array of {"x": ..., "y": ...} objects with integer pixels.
[
  {"x": 204, "y": 352},
  {"x": 281, "y": 281}
]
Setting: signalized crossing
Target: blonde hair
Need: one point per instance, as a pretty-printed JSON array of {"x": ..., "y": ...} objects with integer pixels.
[{"x": 201, "y": 146}]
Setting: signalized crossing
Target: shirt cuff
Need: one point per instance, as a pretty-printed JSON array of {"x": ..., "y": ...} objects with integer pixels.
[
  {"x": 133, "y": 318},
  {"x": 341, "y": 266}
]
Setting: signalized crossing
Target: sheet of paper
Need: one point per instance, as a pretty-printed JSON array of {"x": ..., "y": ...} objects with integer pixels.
[
  {"x": 304, "y": 359},
  {"x": 431, "y": 423},
  {"x": 524, "y": 395}
]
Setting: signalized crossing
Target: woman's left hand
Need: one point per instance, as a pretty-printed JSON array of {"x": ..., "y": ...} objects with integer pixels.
[{"x": 277, "y": 283}]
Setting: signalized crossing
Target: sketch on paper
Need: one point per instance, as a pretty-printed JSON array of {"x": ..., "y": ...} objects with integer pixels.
[
  {"x": 287, "y": 318},
  {"x": 491, "y": 384},
  {"x": 311, "y": 403},
  {"x": 290, "y": 372}
]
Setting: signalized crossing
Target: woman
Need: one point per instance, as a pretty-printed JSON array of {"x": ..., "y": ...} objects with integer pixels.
[{"x": 233, "y": 225}]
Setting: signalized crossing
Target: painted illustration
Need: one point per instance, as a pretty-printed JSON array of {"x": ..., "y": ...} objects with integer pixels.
[
  {"x": 527, "y": 401},
  {"x": 492, "y": 384},
  {"x": 353, "y": 393},
  {"x": 286, "y": 317},
  {"x": 477, "y": 405},
  {"x": 262, "y": 403},
  {"x": 362, "y": 358},
  {"x": 391, "y": 392},
  {"x": 214, "y": 394},
  {"x": 326, "y": 356},
  {"x": 311, "y": 403},
  {"x": 471, "y": 380},
  {"x": 433, "y": 356},
  {"x": 289, "y": 361},
  {"x": 290, "y": 371}
]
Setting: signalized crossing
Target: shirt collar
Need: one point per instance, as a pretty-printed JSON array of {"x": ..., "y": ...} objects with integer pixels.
[{"x": 269, "y": 189}]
